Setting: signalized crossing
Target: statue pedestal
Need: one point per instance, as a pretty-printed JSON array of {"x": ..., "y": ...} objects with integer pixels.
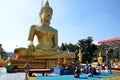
[{"x": 42, "y": 60}]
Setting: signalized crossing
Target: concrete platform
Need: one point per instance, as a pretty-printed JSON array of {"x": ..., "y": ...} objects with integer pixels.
[{"x": 11, "y": 76}]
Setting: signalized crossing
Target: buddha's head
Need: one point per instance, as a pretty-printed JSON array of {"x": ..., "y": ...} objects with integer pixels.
[{"x": 46, "y": 14}]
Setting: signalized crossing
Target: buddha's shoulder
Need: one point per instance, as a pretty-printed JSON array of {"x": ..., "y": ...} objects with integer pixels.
[
  {"x": 34, "y": 25},
  {"x": 39, "y": 27},
  {"x": 53, "y": 29}
]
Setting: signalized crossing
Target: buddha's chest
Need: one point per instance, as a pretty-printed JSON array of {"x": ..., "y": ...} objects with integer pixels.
[{"x": 44, "y": 32}]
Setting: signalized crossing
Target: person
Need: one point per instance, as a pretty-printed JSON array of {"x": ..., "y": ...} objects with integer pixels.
[
  {"x": 77, "y": 72},
  {"x": 98, "y": 70},
  {"x": 27, "y": 66},
  {"x": 47, "y": 36},
  {"x": 91, "y": 71},
  {"x": 86, "y": 68}
]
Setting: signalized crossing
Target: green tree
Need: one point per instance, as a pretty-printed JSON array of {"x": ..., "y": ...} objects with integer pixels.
[
  {"x": 88, "y": 48},
  {"x": 72, "y": 47},
  {"x": 63, "y": 47}
]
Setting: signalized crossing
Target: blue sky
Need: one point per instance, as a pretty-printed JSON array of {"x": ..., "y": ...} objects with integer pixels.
[{"x": 74, "y": 20}]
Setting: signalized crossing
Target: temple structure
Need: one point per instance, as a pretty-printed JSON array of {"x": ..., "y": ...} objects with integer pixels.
[{"x": 46, "y": 53}]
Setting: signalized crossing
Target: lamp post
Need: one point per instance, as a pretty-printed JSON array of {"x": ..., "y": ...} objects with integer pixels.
[{"x": 27, "y": 66}]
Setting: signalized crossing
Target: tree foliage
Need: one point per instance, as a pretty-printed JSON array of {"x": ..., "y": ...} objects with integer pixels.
[{"x": 86, "y": 45}]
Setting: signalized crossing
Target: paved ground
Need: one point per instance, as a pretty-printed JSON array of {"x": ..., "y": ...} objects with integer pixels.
[
  {"x": 21, "y": 76},
  {"x": 11, "y": 76}
]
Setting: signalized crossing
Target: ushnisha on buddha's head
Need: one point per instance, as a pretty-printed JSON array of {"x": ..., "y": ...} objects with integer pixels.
[{"x": 46, "y": 14}]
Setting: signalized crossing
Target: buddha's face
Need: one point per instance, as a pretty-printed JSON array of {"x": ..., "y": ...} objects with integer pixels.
[{"x": 45, "y": 15}]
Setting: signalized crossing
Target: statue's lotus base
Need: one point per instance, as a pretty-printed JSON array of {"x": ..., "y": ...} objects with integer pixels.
[{"x": 42, "y": 60}]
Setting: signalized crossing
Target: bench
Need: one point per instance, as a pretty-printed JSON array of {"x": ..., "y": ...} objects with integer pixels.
[{"x": 43, "y": 71}]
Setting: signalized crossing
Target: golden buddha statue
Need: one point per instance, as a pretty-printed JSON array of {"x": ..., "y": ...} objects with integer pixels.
[
  {"x": 80, "y": 56},
  {"x": 100, "y": 58},
  {"x": 46, "y": 35},
  {"x": 45, "y": 52},
  {"x": 2, "y": 62}
]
